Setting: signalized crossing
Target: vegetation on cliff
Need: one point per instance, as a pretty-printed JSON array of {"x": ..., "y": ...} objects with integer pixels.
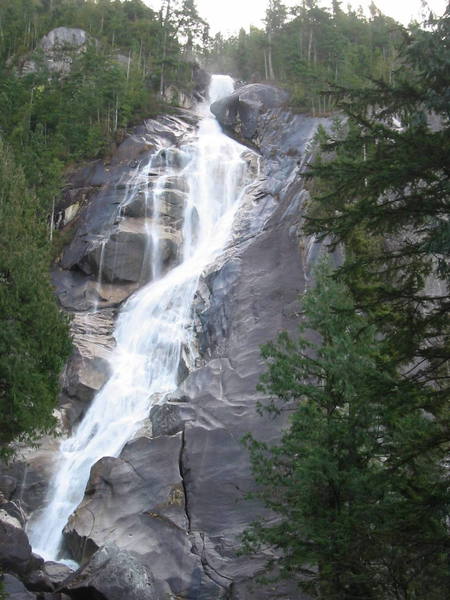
[
  {"x": 308, "y": 48},
  {"x": 52, "y": 118},
  {"x": 34, "y": 340},
  {"x": 360, "y": 478}
]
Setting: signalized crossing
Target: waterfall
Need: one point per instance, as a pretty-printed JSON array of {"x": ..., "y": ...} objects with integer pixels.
[{"x": 154, "y": 324}]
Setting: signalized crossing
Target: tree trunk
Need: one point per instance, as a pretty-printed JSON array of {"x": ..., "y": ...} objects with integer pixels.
[
  {"x": 269, "y": 56},
  {"x": 266, "y": 74},
  {"x": 310, "y": 45},
  {"x": 164, "y": 54}
]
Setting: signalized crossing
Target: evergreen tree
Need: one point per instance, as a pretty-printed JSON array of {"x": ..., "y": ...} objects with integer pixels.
[
  {"x": 386, "y": 197},
  {"x": 34, "y": 339},
  {"x": 359, "y": 514}
]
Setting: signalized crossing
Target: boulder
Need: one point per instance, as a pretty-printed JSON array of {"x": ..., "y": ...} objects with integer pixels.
[
  {"x": 84, "y": 376},
  {"x": 111, "y": 574},
  {"x": 57, "y": 573},
  {"x": 141, "y": 486},
  {"x": 15, "y": 549},
  {"x": 242, "y": 109},
  {"x": 15, "y": 590},
  {"x": 137, "y": 502}
]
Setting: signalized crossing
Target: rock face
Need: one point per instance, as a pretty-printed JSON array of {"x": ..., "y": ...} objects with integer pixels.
[
  {"x": 164, "y": 519},
  {"x": 175, "y": 496},
  {"x": 143, "y": 489},
  {"x": 108, "y": 210}
]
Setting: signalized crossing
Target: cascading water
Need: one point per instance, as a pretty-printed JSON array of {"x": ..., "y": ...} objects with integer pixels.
[{"x": 153, "y": 325}]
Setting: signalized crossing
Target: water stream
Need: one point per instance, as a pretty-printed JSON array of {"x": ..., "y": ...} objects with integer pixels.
[{"x": 155, "y": 323}]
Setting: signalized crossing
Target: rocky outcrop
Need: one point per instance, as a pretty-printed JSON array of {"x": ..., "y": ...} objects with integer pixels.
[
  {"x": 112, "y": 574},
  {"x": 111, "y": 225},
  {"x": 15, "y": 550},
  {"x": 242, "y": 110},
  {"x": 57, "y": 49},
  {"x": 147, "y": 515},
  {"x": 108, "y": 207},
  {"x": 15, "y": 590}
]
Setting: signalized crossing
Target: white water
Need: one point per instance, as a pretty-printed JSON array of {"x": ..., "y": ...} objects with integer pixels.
[{"x": 153, "y": 325}]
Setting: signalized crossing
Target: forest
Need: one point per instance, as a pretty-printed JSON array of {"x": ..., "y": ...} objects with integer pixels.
[{"x": 359, "y": 480}]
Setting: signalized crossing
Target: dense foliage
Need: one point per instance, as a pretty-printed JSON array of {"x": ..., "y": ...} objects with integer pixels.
[
  {"x": 51, "y": 119},
  {"x": 362, "y": 511},
  {"x": 307, "y": 48},
  {"x": 34, "y": 340},
  {"x": 360, "y": 478}
]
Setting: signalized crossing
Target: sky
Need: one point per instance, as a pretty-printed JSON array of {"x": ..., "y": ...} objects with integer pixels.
[{"x": 228, "y": 16}]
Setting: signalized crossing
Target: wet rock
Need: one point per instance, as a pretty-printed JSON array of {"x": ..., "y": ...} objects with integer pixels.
[
  {"x": 38, "y": 581},
  {"x": 126, "y": 254},
  {"x": 15, "y": 549},
  {"x": 146, "y": 514},
  {"x": 112, "y": 574},
  {"x": 171, "y": 203},
  {"x": 176, "y": 182},
  {"x": 173, "y": 158},
  {"x": 15, "y": 590}
]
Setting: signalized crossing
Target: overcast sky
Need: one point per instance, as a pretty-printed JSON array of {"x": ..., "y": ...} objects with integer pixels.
[{"x": 229, "y": 15}]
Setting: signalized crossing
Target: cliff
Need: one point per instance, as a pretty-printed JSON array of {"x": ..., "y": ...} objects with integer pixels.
[{"x": 164, "y": 518}]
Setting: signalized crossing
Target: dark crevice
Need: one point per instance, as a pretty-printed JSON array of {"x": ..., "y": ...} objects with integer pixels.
[
  {"x": 209, "y": 571},
  {"x": 183, "y": 482}
]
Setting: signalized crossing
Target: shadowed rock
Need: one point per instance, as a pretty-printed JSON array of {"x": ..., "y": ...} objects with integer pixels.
[
  {"x": 15, "y": 590},
  {"x": 147, "y": 515},
  {"x": 127, "y": 253},
  {"x": 112, "y": 574},
  {"x": 241, "y": 110},
  {"x": 15, "y": 549}
]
